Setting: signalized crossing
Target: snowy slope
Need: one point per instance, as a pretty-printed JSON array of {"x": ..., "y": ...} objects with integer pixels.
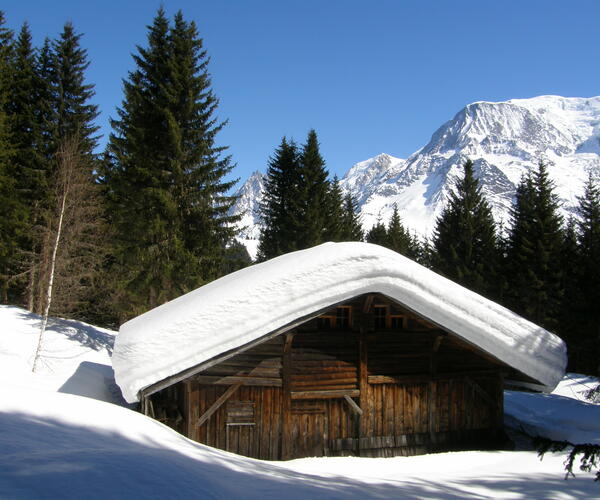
[
  {"x": 262, "y": 298},
  {"x": 71, "y": 447},
  {"x": 75, "y": 356},
  {"x": 503, "y": 139}
]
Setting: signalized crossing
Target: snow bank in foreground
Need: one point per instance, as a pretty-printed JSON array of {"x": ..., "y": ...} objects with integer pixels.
[
  {"x": 70, "y": 447},
  {"x": 64, "y": 446},
  {"x": 564, "y": 415},
  {"x": 75, "y": 356},
  {"x": 255, "y": 301}
]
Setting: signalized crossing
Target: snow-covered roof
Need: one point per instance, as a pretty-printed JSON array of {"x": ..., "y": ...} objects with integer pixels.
[{"x": 255, "y": 301}]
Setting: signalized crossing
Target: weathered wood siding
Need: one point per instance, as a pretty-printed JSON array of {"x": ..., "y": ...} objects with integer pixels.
[{"x": 367, "y": 379}]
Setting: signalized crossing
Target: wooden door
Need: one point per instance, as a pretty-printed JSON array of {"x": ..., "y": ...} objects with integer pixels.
[{"x": 309, "y": 433}]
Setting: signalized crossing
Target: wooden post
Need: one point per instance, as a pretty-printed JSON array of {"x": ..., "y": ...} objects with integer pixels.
[
  {"x": 432, "y": 388},
  {"x": 286, "y": 397},
  {"x": 363, "y": 386}
]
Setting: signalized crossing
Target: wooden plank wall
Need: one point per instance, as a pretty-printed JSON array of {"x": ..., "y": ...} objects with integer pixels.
[{"x": 297, "y": 404}]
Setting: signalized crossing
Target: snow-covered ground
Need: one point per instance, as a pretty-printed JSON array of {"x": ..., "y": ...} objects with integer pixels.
[{"x": 65, "y": 433}]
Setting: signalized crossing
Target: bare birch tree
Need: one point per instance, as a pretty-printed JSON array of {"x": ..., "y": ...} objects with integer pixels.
[{"x": 73, "y": 248}]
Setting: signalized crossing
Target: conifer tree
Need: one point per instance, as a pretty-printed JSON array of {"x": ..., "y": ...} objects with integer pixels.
[
  {"x": 280, "y": 210},
  {"x": 534, "y": 251},
  {"x": 464, "y": 241},
  {"x": 398, "y": 238},
  {"x": 165, "y": 165},
  {"x": 313, "y": 193},
  {"x": 74, "y": 115},
  {"x": 30, "y": 166},
  {"x": 589, "y": 272},
  {"x": 12, "y": 216},
  {"x": 570, "y": 324},
  {"x": 377, "y": 234},
  {"x": 334, "y": 212},
  {"x": 351, "y": 227}
]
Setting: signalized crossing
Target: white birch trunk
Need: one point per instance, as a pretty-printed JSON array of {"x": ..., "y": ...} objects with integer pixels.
[{"x": 51, "y": 278}]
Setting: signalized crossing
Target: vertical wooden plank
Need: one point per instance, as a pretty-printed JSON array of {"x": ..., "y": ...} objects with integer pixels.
[
  {"x": 263, "y": 420},
  {"x": 389, "y": 414},
  {"x": 363, "y": 382},
  {"x": 286, "y": 400},
  {"x": 399, "y": 410}
]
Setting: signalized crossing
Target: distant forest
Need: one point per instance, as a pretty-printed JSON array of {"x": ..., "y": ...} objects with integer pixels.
[{"x": 105, "y": 237}]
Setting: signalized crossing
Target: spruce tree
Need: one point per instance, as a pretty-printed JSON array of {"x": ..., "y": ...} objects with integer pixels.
[
  {"x": 377, "y": 234},
  {"x": 351, "y": 227},
  {"x": 334, "y": 212},
  {"x": 535, "y": 242},
  {"x": 165, "y": 179},
  {"x": 30, "y": 167},
  {"x": 12, "y": 217},
  {"x": 570, "y": 319},
  {"x": 398, "y": 238},
  {"x": 280, "y": 210},
  {"x": 314, "y": 189},
  {"x": 464, "y": 241},
  {"x": 74, "y": 115},
  {"x": 589, "y": 272}
]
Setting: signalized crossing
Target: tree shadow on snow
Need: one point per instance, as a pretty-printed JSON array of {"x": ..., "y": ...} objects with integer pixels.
[
  {"x": 77, "y": 331},
  {"x": 46, "y": 458}
]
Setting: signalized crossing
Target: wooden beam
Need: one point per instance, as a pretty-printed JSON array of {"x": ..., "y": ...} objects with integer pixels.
[
  {"x": 426, "y": 377},
  {"x": 332, "y": 394},
  {"x": 243, "y": 380},
  {"x": 217, "y": 404},
  {"x": 368, "y": 303},
  {"x": 353, "y": 406}
]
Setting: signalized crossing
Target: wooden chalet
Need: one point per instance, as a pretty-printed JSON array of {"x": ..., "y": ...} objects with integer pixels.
[{"x": 365, "y": 376}]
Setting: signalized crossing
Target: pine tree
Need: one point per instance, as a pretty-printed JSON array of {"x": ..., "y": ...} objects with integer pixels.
[
  {"x": 570, "y": 325},
  {"x": 164, "y": 164},
  {"x": 398, "y": 238},
  {"x": 534, "y": 251},
  {"x": 30, "y": 166},
  {"x": 589, "y": 272},
  {"x": 464, "y": 239},
  {"x": 351, "y": 227},
  {"x": 313, "y": 193},
  {"x": 13, "y": 217},
  {"x": 280, "y": 211},
  {"x": 73, "y": 114},
  {"x": 334, "y": 212},
  {"x": 377, "y": 234}
]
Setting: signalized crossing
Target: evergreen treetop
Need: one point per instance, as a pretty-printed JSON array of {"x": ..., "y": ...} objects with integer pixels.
[
  {"x": 74, "y": 116},
  {"x": 534, "y": 250},
  {"x": 164, "y": 163},
  {"x": 464, "y": 238}
]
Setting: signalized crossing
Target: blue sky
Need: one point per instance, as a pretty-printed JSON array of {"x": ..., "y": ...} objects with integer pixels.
[{"x": 369, "y": 77}]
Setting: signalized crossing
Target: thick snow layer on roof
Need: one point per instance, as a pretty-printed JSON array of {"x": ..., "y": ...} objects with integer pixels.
[{"x": 257, "y": 300}]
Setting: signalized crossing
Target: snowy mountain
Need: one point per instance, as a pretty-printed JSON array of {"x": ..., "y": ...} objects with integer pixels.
[
  {"x": 503, "y": 139},
  {"x": 249, "y": 196}
]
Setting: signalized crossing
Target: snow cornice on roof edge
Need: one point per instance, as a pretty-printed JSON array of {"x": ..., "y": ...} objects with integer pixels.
[{"x": 253, "y": 302}]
